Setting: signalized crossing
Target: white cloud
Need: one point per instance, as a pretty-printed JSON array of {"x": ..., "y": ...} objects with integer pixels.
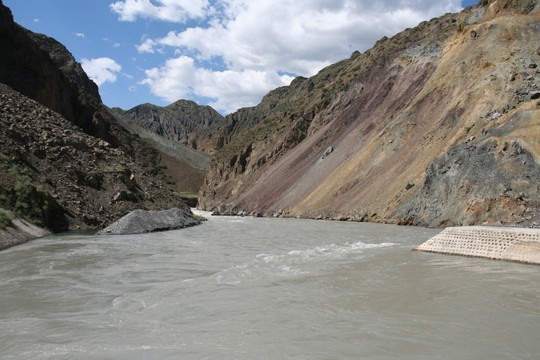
[
  {"x": 101, "y": 70},
  {"x": 180, "y": 78},
  {"x": 81, "y": 35},
  {"x": 257, "y": 40},
  {"x": 167, "y": 10},
  {"x": 147, "y": 46}
]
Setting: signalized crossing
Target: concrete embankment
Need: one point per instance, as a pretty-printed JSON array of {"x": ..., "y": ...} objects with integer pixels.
[{"x": 501, "y": 243}]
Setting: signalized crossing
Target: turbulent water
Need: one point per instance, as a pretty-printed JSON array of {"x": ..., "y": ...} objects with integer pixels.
[{"x": 255, "y": 288}]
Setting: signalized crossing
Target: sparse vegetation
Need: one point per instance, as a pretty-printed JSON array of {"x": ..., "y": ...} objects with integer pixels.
[
  {"x": 6, "y": 218},
  {"x": 23, "y": 197},
  {"x": 198, "y": 217}
]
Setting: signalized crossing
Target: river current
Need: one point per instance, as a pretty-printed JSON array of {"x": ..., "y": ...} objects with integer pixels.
[{"x": 259, "y": 288}]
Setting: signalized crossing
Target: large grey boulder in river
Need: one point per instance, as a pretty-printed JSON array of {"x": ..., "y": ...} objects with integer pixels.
[{"x": 145, "y": 221}]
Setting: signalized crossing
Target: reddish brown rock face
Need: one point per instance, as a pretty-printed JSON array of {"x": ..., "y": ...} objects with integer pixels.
[{"x": 461, "y": 87}]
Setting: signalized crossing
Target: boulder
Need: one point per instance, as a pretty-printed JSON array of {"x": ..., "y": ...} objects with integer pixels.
[
  {"x": 327, "y": 152},
  {"x": 145, "y": 221}
]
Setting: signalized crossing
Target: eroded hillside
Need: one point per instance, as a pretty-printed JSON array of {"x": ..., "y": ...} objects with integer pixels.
[{"x": 438, "y": 125}]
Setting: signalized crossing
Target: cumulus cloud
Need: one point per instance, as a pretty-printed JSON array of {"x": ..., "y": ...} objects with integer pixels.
[
  {"x": 255, "y": 41},
  {"x": 101, "y": 70},
  {"x": 180, "y": 78},
  {"x": 167, "y": 10}
]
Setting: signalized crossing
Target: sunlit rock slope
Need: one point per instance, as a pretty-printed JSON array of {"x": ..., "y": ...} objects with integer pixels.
[{"x": 438, "y": 125}]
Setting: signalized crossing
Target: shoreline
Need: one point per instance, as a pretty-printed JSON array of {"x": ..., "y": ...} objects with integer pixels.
[{"x": 20, "y": 232}]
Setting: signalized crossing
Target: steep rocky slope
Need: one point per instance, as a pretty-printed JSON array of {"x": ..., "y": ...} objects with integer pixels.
[
  {"x": 66, "y": 62},
  {"x": 65, "y": 162},
  {"x": 438, "y": 125},
  {"x": 55, "y": 175}
]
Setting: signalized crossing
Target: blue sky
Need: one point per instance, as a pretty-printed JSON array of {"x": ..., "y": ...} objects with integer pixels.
[{"x": 225, "y": 53}]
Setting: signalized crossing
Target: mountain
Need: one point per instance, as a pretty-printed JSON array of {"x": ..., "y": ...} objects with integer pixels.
[
  {"x": 436, "y": 126},
  {"x": 212, "y": 138},
  {"x": 26, "y": 67},
  {"x": 200, "y": 127},
  {"x": 167, "y": 129},
  {"x": 65, "y": 162},
  {"x": 66, "y": 63},
  {"x": 174, "y": 122},
  {"x": 188, "y": 134}
]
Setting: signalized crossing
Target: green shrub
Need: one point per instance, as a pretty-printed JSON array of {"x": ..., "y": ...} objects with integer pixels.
[
  {"x": 4, "y": 160},
  {"x": 199, "y": 217},
  {"x": 6, "y": 217}
]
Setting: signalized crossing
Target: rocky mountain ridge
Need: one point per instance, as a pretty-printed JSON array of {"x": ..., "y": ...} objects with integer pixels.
[
  {"x": 436, "y": 126},
  {"x": 174, "y": 122},
  {"x": 66, "y": 63},
  {"x": 27, "y": 67}
]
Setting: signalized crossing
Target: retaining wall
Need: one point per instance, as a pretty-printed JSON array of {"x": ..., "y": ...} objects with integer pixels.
[{"x": 501, "y": 243}]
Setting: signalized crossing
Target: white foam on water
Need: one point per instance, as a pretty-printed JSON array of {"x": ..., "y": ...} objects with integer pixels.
[
  {"x": 129, "y": 302},
  {"x": 294, "y": 263},
  {"x": 202, "y": 213}
]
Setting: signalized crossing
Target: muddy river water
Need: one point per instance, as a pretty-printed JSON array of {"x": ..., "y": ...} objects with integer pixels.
[{"x": 256, "y": 288}]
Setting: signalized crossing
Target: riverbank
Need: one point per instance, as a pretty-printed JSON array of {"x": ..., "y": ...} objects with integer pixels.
[
  {"x": 19, "y": 232},
  {"x": 499, "y": 243}
]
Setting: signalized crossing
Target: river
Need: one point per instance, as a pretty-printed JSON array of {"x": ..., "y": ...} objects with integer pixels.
[{"x": 259, "y": 288}]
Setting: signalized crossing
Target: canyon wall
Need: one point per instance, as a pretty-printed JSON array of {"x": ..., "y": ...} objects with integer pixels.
[{"x": 438, "y": 125}]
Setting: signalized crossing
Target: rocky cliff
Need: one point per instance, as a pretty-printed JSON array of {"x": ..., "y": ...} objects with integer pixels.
[
  {"x": 436, "y": 126},
  {"x": 65, "y": 162}
]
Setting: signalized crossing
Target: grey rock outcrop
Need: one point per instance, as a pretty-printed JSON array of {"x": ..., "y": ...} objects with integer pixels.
[{"x": 142, "y": 221}]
